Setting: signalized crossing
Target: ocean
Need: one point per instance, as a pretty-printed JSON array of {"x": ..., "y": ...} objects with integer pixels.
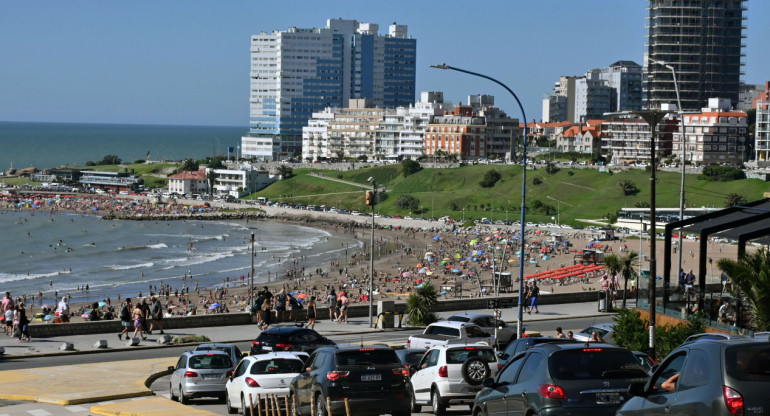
[
  {"x": 47, "y": 145},
  {"x": 40, "y": 252}
]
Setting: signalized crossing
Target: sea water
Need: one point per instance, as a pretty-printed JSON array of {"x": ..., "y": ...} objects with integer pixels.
[{"x": 49, "y": 253}]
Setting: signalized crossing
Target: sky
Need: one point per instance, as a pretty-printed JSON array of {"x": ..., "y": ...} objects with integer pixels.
[{"x": 187, "y": 62}]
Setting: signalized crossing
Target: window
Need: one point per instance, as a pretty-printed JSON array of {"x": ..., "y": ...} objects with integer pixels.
[
  {"x": 430, "y": 359},
  {"x": 667, "y": 369},
  {"x": 508, "y": 374},
  {"x": 530, "y": 368}
]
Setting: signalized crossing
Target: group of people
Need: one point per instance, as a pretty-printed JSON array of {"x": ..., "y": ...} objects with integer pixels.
[
  {"x": 265, "y": 303},
  {"x": 137, "y": 317},
  {"x": 16, "y": 323}
]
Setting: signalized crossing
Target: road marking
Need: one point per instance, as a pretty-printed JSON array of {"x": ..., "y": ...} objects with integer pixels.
[
  {"x": 75, "y": 409},
  {"x": 39, "y": 412}
]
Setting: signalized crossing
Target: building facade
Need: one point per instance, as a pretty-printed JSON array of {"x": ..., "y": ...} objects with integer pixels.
[
  {"x": 627, "y": 140},
  {"x": 189, "y": 183},
  {"x": 238, "y": 182},
  {"x": 715, "y": 135},
  {"x": 703, "y": 40},
  {"x": 762, "y": 131},
  {"x": 297, "y": 72}
]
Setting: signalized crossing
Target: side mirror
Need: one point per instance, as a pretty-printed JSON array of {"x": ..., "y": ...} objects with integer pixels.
[
  {"x": 503, "y": 356},
  {"x": 171, "y": 368},
  {"x": 636, "y": 389},
  {"x": 489, "y": 382}
]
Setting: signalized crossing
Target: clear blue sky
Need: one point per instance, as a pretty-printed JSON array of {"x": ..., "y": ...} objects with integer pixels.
[{"x": 187, "y": 62}]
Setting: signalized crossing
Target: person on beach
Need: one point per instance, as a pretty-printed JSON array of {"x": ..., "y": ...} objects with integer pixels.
[
  {"x": 125, "y": 318},
  {"x": 8, "y": 308},
  {"x": 266, "y": 313},
  {"x": 145, "y": 308},
  {"x": 311, "y": 313},
  {"x": 343, "y": 302},
  {"x": 23, "y": 324},
  {"x": 559, "y": 333},
  {"x": 94, "y": 315},
  {"x": 294, "y": 307},
  {"x": 138, "y": 317},
  {"x": 156, "y": 311},
  {"x": 280, "y": 304},
  {"x": 332, "y": 299},
  {"x": 534, "y": 293},
  {"x": 63, "y": 310}
]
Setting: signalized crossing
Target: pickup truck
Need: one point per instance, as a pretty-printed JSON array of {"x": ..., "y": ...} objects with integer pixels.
[{"x": 450, "y": 332}]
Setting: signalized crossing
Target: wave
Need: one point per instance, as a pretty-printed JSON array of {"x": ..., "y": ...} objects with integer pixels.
[
  {"x": 159, "y": 245},
  {"x": 132, "y": 266},
  {"x": 15, "y": 277}
]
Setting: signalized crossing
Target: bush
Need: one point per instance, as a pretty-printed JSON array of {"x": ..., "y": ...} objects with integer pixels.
[
  {"x": 409, "y": 166},
  {"x": 633, "y": 333},
  {"x": 721, "y": 174},
  {"x": 420, "y": 304},
  {"x": 490, "y": 178},
  {"x": 140, "y": 162},
  {"x": 536, "y": 181},
  {"x": 407, "y": 202},
  {"x": 551, "y": 168}
]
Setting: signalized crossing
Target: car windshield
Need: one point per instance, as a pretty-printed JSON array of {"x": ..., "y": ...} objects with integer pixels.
[
  {"x": 210, "y": 361},
  {"x": 749, "y": 362},
  {"x": 367, "y": 356},
  {"x": 460, "y": 355},
  {"x": 458, "y": 318},
  {"x": 594, "y": 363},
  {"x": 592, "y": 329},
  {"x": 411, "y": 358},
  {"x": 277, "y": 366}
]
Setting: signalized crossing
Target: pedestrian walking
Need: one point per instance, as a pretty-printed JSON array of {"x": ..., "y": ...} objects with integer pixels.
[
  {"x": 534, "y": 293},
  {"x": 311, "y": 313},
  {"x": 559, "y": 333},
  {"x": 156, "y": 311},
  {"x": 138, "y": 317},
  {"x": 125, "y": 318},
  {"x": 332, "y": 299}
]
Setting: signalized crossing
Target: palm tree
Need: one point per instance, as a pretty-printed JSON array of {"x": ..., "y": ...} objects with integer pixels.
[
  {"x": 419, "y": 305},
  {"x": 285, "y": 171},
  {"x": 628, "y": 270},
  {"x": 734, "y": 199},
  {"x": 612, "y": 263},
  {"x": 751, "y": 273},
  {"x": 211, "y": 176}
]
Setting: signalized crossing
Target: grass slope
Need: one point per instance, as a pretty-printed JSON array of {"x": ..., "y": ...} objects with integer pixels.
[{"x": 586, "y": 193}]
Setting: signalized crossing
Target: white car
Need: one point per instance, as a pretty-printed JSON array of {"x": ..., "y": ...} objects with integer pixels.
[
  {"x": 605, "y": 330},
  {"x": 261, "y": 374},
  {"x": 451, "y": 374}
]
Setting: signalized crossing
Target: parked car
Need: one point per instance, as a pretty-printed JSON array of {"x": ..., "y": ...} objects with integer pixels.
[
  {"x": 645, "y": 361},
  {"x": 561, "y": 379},
  {"x": 451, "y": 374},
  {"x": 714, "y": 377},
  {"x": 447, "y": 332},
  {"x": 263, "y": 375},
  {"x": 200, "y": 374},
  {"x": 523, "y": 343},
  {"x": 605, "y": 330},
  {"x": 372, "y": 379},
  {"x": 288, "y": 338},
  {"x": 410, "y": 357},
  {"x": 230, "y": 349},
  {"x": 503, "y": 332}
]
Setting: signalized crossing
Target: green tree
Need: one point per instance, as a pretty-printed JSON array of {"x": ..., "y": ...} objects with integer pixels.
[
  {"x": 407, "y": 202},
  {"x": 734, "y": 199},
  {"x": 612, "y": 263},
  {"x": 751, "y": 274},
  {"x": 490, "y": 178},
  {"x": 211, "y": 177},
  {"x": 551, "y": 168},
  {"x": 189, "y": 165},
  {"x": 628, "y": 270},
  {"x": 285, "y": 171},
  {"x": 215, "y": 163},
  {"x": 642, "y": 204},
  {"x": 419, "y": 305},
  {"x": 628, "y": 187},
  {"x": 110, "y": 160},
  {"x": 409, "y": 166}
]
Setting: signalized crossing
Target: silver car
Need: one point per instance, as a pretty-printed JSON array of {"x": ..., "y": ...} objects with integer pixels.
[
  {"x": 200, "y": 374},
  {"x": 504, "y": 333}
]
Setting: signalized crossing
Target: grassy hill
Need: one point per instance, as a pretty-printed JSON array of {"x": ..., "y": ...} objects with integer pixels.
[{"x": 574, "y": 193}]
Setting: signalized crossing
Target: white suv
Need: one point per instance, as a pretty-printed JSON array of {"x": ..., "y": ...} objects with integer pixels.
[{"x": 451, "y": 374}]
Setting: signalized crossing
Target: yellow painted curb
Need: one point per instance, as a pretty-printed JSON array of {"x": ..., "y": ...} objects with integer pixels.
[{"x": 159, "y": 406}]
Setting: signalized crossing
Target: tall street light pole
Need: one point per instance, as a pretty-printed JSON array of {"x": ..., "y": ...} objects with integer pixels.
[
  {"x": 373, "y": 201},
  {"x": 251, "y": 276},
  {"x": 523, "y": 187},
  {"x": 683, "y": 144}
]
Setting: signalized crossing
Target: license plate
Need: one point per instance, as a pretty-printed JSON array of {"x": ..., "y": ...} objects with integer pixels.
[
  {"x": 371, "y": 377},
  {"x": 211, "y": 376},
  {"x": 266, "y": 348},
  {"x": 607, "y": 398}
]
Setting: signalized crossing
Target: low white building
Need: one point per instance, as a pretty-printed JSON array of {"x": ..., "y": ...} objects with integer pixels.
[
  {"x": 243, "y": 181},
  {"x": 189, "y": 183}
]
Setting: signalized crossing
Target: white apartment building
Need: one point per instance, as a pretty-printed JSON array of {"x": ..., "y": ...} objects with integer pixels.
[
  {"x": 715, "y": 135},
  {"x": 243, "y": 181},
  {"x": 189, "y": 183}
]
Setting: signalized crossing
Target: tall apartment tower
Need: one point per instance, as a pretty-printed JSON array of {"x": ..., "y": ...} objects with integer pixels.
[
  {"x": 704, "y": 41},
  {"x": 297, "y": 72}
]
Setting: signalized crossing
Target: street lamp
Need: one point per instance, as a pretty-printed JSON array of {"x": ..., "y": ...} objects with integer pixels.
[
  {"x": 251, "y": 277},
  {"x": 373, "y": 201},
  {"x": 684, "y": 144},
  {"x": 523, "y": 187}
]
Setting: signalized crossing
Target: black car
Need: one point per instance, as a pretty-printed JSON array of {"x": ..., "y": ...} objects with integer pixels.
[
  {"x": 288, "y": 338},
  {"x": 727, "y": 377},
  {"x": 522, "y": 344},
  {"x": 556, "y": 379},
  {"x": 371, "y": 378},
  {"x": 410, "y": 356}
]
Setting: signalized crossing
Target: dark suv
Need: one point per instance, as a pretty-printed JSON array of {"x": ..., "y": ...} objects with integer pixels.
[
  {"x": 372, "y": 379},
  {"x": 561, "y": 379},
  {"x": 288, "y": 338},
  {"x": 707, "y": 377}
]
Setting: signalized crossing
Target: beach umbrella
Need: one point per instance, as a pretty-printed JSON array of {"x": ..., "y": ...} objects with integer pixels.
[
  {"x": 546, "y": 257},
  {"x": 441, "y": 251},
  {"x": 436, "y": 237},
  {"x": 418, "y": 286},
  {"x": 47, "y": 318},
  {"x": 488, "y": 238},
  {"x": 418, "y": 281},
  {"x": 102, "y": 304},
  {"x": 423, "y": 271},
  {"x": 395, "y": 279},
  {"x": 419, "y": 264},
  {"x": 214, "y": 306},
  {"x": 406, "y": 274},
  {"x": 455, "y": 270},
  {"x": 430, "y": 273},
  {"x": 302, "y": 296},
  {"x": 292, "y": 293},
  {"x": 86, "y": 315},
  {"x": 544, "y": 250},
  {"x": 341, "y": 293},
  {"x": 457, "y": 255},
  {"x": 444, "y": 292}
]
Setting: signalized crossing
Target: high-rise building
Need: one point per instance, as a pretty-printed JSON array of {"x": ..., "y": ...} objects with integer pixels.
[
  {"x": 703, "y": 40},
  {"x": 762, "y": 130},
  {"x": 297, "y": 72}
]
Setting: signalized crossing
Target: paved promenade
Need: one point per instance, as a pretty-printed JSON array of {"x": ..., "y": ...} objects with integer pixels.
[{"x": 129, "y": 379}]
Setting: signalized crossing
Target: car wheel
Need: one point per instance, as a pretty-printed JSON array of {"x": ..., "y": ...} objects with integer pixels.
[
  {"x": 416, "y": 408},
  {"x": 171, "y": 392},
  {"x": 474, "y": 371},
  {"x": 230, "y": 409},
  {"x": 182, "y": 398},
  {"x": 320, "y": 406},
  {"x": 435, "y": 400}
]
